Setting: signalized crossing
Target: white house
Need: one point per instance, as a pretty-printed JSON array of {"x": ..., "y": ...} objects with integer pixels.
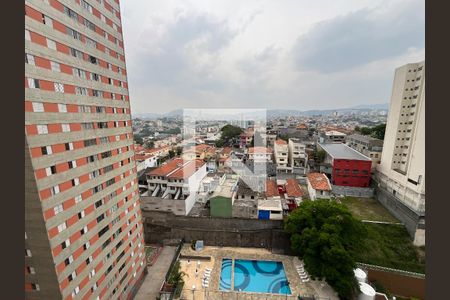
[{"x": 318, "y": 186}]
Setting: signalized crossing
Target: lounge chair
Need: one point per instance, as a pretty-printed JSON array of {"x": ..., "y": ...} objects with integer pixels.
[
  {"x": 208, "y": 269},
  {"x": 304, "y": 277},
  {"x": 305, "y": 280}
]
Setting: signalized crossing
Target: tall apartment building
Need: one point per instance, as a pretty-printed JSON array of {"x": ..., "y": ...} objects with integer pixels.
[
  {"x": 84, "y": 234},
  {"x": 401, "y": 172}
]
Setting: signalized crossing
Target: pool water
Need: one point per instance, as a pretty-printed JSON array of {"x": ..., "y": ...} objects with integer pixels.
[{"x": 254, "y": 276}]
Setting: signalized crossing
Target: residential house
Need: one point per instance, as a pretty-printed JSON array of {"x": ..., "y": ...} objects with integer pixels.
[{"x": 319, "y": 186}]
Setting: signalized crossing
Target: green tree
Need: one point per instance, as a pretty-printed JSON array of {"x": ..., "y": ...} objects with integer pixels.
[
  {"x": 319, "y": 155},
  {"x": 379, "y": 131},
  {"x": 179, "y": 150},
  {"x": 326, "y": 236},
  {"x": 228, "y": 133},
  {"x": 149, "y": 144},
  {"x": 138, "y": 139},
  {"x": 365, "y": 130}
]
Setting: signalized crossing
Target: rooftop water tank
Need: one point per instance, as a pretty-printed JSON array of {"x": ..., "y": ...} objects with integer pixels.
[
  {"x": 360, "y": 275},
  {"x": 367, "y": 292}
]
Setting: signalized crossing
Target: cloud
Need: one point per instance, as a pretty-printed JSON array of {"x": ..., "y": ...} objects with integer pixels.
[
  {"x": 170, "y": 50},
  {"x": 261, "y": 54},
  {"x": 361, "y": 37}
]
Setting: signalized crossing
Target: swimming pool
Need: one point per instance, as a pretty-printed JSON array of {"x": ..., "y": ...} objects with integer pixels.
[{"x": 254, "y": 276}]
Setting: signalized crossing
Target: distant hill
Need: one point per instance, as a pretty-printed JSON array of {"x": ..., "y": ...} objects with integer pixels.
[{"x": 281, "y": 112}]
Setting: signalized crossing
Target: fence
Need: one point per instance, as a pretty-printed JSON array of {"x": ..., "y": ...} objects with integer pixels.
[
  {"x": 167, "y": 291},
  {"x": 193, "y": 294}
]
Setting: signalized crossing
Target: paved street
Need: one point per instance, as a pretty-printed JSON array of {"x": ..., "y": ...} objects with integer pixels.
[{"x": 155, "y": 277}]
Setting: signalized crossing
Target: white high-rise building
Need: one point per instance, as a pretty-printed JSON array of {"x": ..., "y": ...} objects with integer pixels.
[{"x": 401, "y": 172}]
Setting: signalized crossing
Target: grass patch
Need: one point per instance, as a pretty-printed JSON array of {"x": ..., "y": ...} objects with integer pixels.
[
  {"x": 391, "y": 246},
  {"x": 368, "y": 209}
]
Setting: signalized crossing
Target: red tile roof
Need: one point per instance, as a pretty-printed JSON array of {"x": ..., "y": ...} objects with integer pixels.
[
  {"x": 271, "y": 188},
  {"x": 319, "y": 181},
  {"x": 293, "y": 189},
  {"x": 187, "y": 170},
  {"x": 226, "y": 150},
  {"x": 141, "y": 157},
  {"x": 281, "y": 142},
  {"x": 167, "y": 168}
]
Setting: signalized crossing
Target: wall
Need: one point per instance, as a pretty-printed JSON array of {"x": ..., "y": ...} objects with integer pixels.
[
  {"x": 360, "y": 179},
  {"x": 231, "y": 232},
  {"x": 399, "y": 284},
  {"x": 407, "y": 216},
  {"x": 353, "y": 191}
]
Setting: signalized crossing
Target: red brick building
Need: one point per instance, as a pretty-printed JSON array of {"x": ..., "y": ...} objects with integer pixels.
[
  {"x": 348, "y": 166},
  {"x": 83, "y": 224}
]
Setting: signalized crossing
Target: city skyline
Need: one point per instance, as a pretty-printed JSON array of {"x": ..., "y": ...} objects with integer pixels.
[{"x": 301, "y": 56}]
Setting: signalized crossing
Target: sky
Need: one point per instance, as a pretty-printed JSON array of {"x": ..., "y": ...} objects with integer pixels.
[{"x": 287, "y": 54}]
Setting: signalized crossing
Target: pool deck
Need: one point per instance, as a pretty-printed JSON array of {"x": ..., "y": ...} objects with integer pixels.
[{"x": 211, "y": 257}]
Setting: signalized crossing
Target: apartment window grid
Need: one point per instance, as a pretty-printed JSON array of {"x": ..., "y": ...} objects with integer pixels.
[{"x": 66, "y": 128}]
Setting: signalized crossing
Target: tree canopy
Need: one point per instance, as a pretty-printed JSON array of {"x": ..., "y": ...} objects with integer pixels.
[
  {"x": 326, "y": 236},
  {"x": 228, "y": 133},
  {"x": 376, "y": 131}
]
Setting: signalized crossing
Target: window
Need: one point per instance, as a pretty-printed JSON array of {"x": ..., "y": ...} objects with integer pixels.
[
  {"x": 31, "y": 270},
  {"x": 80, "y": 73},
  {"x": 91, "y": 273},
  {"x": 42, "y": 129},
  {"x": 68, "y": 146},
  {"x": 59, "y": 87},
  {"x": 91, "y": 43},
  {"x": 51, "y": 44},
  {"x": 93, "y": 59},
  {"x": 86, "y": 6},
  {"x": 72, "y": 276},
  {"x": 89, "y": 260},
  {"x": 75, "y": 181},
  {"x": 90, "y": 142},
  {"x": 95, "y": 77},
  {"x": 33, "y": 83},
  {"x": 62, "y": 227},
  {"x": 102, "y": 17},
  {"x": 97, "y": 93},
  {"x": 76, "y": 53},
  {"x": 58, "y": 208},
  {"x": 71, "y": 13},
  {"x": 35, "y": 286},
  {"x": 87, "y": 126},
  {"x": 75, "y": 292},
  {"x": 38, "y": 106},
  {"x": 46, "y": 150},
  {"x": 27, "y": 35},
  {"x": 65, "y": 127},
  {"x": 65, "y": 244},
  {"x": 55, "y": 66},
  {"x": 50, "y": 170},
  {"x": 84, "y": 108},
  {"x": 86, "y": 246},
  {"x": 84, "y": 230},
  {"x": 62, "y": 107},
  {"x": 27, "y": 253},
  {"x": 73, "y": 33},
  {"x": 47, "y": 21},
  {"x": 81, "y": 214},
  {"x": 89, "y": 24},
  {"x": 81, "y": 91},
  {"x": 72, "y": 164},
  {"x": 78, "y": 199},
  {"x": 29, "y": 59}
]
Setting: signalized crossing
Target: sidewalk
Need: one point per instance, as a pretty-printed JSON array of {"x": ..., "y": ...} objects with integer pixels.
[{"x": 150, "y": 287}]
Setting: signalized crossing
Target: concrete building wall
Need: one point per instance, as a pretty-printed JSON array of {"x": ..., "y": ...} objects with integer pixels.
[{"x": 402, "y": 164}]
